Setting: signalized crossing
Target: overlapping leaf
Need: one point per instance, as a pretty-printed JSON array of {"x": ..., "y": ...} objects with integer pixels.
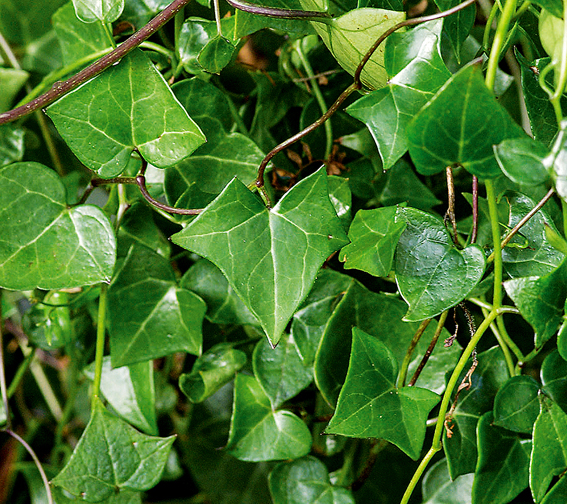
[
  {"x": 439, "y": 488},
  {"x": 516, "y": 405},
  {"x": 270, "y": 257},
  {"x": 370, "y": 404},
  {"x": 90, "y": 11},
  {"x": 11, "y": 144},
  {"x": 554, "y": 378},
  {"x": 522, "y": 160},
  {"x": 110, "y": 457},
  {"x": 45, "y": 244},
  {"x": 127, "y": 107}
]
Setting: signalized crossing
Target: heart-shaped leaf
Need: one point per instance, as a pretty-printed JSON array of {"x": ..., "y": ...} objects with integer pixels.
[
  {"x": 370, "y": 404},
  {"x": 45, "y": 244},
  {"x": 111, "y": 456},
  {"x": 516, "y": 405},
  {"x": 129, "y": 106},
  {"x": 432, "y": 274},
  {"x": 522, "y": 160},
  {"x": 439, "y": 488},
  {"x": 90, "y": 11},
  {"x": 270, "y": 257}
]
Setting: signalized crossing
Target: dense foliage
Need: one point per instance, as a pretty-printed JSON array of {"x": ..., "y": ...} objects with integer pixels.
[{"x": 200, "y": 304}]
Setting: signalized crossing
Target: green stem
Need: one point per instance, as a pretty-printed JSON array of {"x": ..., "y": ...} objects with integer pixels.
[
  {"x": 506, "y": 337},
  {"x": 407, "y": 359},
  {"x": 495, "y": 225},
  {"x": 344, "y": 473},
  {"x": 21, "y": 371},
  {"x": 562, "y": 78},
  {"x": 503, "y": 345},
  {"x": 100, "y": 336},
  {"x": 417, "y": 475},
  {"x": 499, "y": 41}
]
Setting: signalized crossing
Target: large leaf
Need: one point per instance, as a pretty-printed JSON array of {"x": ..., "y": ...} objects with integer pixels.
[
  {"x": 305, "y": 481},
  {"x": 45, "y": 244},
  {"x": 270, "y": 257},
  {"x": 439, "y": 488},
  {"x": 516, "y": 405},
  {"x": 110, "y": 457},
  {"x": 90, "y": 11},
  {"x": 129, "y": 106},
  {"x": 259, "y": 433},
  {"x": 370, "y": 404},
  {"x": 149, "y": 315},
  {"x": 460, "y": 125},
  {"x": 432, "y": 274}
]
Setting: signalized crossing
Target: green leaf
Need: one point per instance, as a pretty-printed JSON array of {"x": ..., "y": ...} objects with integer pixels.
[
  {"x": 124, "y": 497},
  {"x": 439, "y": 488},
  {"x": 373, "y": 237},
  {"x": 45, "y": 244},
  {"x": 78, "y": 39},
  {"x": 111, "y": 457},
  {"x": 341, "y": 198},
  {"x": 516, "y": 405},
  {"x": 280, "y": 371},
  {"x": 127, "y": 107},
  {"x": 557, "y": 162},
  {"x": 414, "y": 57},
  {"x": 555, "y": 7},
  {"x": 522, "y": 160},
  {"x": 370, "y": 404},
  {"x": 11, "y": 144},
  {"x": 305, "y": 480},
  {"x": 149, "y": 315},
  {"x": 549, "y": 454},
  {"x": 457, "y": 26},
  {"x": 11, "y": 81},
  {"x": 554, "y": 378},
  {"x": 130, "y": 392},
  {"x": 270, "y": 257},
  {"x": 541, "y": 301},
  {"x": 502, "y": 469},
  {"x": 216, "y": 367},
  {"x": 259, "y": 433},
  {"x": 461, "y": 448},
  {"x": 216, "y": 55},
  {"x": 459, "y": 126},
  {"x": 432, "y": 274},
  {"x": 106, "y": 11}
]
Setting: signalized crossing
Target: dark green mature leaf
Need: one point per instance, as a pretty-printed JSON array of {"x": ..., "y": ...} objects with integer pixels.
[
  {"x": 130, "y": 392},
  {"x": 280, "y": 371},
  {"x": 458, "y": 26},
  {"x": 111, "y": 456},
  {"x": 149, "y": 315},
  {"x": 305, "y": 480},
  {"x": 259, "y": 433},
  {"x": 11, "y": 144},
  {"x": 415, "y": 59},
  {"x": 373, "y": 237},
  {"x": 216, "y": 55},
  {"x": 516, "y": 405},
  {"x": 78, "y": 39},
  {"x": 370, "y": 404},
  {"x": 127, "y": 107},
  {"x": 45, "y": 244},
  {"x": 502, "y": 469},
  {"x": 541, "y": 301},
  {"x": 270, "y": 257},
  {"x": 124, "y": 497},
  {"x": 549, "y": 454},
  {"x": 522, "y": 160},
  {"x": 439, "y": 488},
  {"x": 432, "y": 274},
  {"x": 460, "y": 125},
  {"x": 555, "y": 7},
  {"x": 91, "y": 11},
  {"x": 554, "y": 378},
  {"x": 216, "y": 367},
  {"x": 488, "y": 377}
]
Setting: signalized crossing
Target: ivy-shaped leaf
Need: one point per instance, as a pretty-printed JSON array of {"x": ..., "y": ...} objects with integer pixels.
[
  {"x": 270, "y": 257},
  {"x": 259, "y": 433},
  {"x": 516, "y": 405},
  {"x": 439, "y": 488},
  {"x": 522, "y": 160},
  {"x": 45, "y": 244},
  {"x": 112, "y": 456},
  {"x": 149, "y": 315},
  {"x": 432, "y": 274},
  {"x": 129, "y": 106},
  {"x": 370, "y": 404},
  {"x": 458, "y": 26},
  {"x": 106, "y": 11}
]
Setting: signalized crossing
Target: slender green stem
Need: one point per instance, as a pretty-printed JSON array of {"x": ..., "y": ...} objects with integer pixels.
[
  {"x": 70, "y": 403},
  {"x": 100, "y": 337},
  {"x": 407, "y": 359},
  {"x": 486, "y": 38},
  {"x": 417, "y": 475},
  {"x": 499, "y": 41},
  {"x": 3, "y": 391},
  {"x": 503, "y": 345},
  {"x": 495, "y": 225},
  {"x": 20, "y": 373},
  {"x": 107, "y": 27},
  {"x": 345, "y": 471},
  {"x": 501, "y": 311},
  {"x": 564, "y": 211},
  {"x": 152, "y": 46}
]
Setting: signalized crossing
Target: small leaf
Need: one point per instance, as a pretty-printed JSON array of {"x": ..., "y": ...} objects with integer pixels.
[
  {"x": 439, "y": 488},
  {"x": 279, "y": 251},
  {"x": 370, "y": 404},
  {"x": 11, "y": 144},
  {"x": 305, "y": 481},
  {"x": 516, "y": 405},
  {"x": 459, "y": 126},
  {"x": 554, "y": 378},
  {"x": 432, "y": 274},
  {"x": 149, "y": 315},
  {"x": 216, "y": 54},
  {"x": 11, "y": 81},
  {"x": 111, "y": 456},
  {"x": 45, "y": 244},
  {"x": 215, "y": 368},
  {"x": 522, "y": 160},
  {"x": 106, "y": 11},
  {"x": 458, "y": 26},
  {"x": 129, "y": 106},
  {"x": 257, "y": 432}
]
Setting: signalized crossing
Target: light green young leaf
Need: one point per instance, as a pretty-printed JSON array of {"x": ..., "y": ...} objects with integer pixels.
[
  {"x": 129, "y": 106},
  {"x": 259, "y": 433},
  {"x": 45, "y": 244},
  {"x": 112, "y": 457},
  {"x": 370, "y": 404},
  {"x": 270, "y": 257},
  {"x": 11, "y": 81},
  {"x": 90, "y": 11}
]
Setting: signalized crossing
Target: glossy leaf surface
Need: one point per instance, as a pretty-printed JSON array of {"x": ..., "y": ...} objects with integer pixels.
[
  {"x": 11, "y": 144},
  {"x": 111, "y": 456},
  {"x": 45, "y": 244},
  {"x": 516, "y": 405},
  {"x": 279, "y": 250},
  {"x": 90, "y": 11},
  {"x": 438, "y": 488},
  {"x": 127, "y": 107},
  {"x": 522, "y": 160},
  {"x": 554, "y": 378}
]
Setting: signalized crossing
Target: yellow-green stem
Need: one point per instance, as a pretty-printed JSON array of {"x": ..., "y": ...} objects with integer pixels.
[
  {"x": 495, "y": 225},
  {"x": 499, "y": 41},
  {"x": 100, "y": 336}
]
